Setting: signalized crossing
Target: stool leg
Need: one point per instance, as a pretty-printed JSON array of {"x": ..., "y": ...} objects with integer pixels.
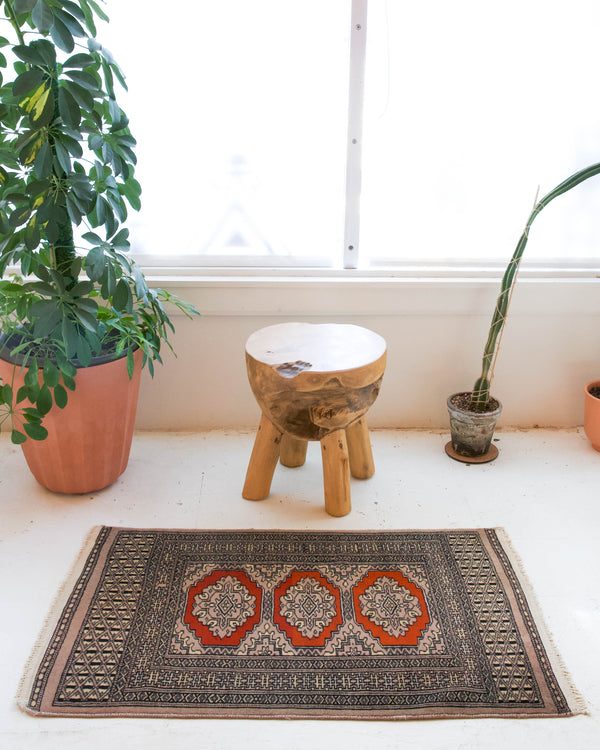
[
  {"x": 263, "y": 461},
  {"x": 336, "y": 474},
  {"x": 293, "y": 450},
  {"x": 359, "y": 450}
]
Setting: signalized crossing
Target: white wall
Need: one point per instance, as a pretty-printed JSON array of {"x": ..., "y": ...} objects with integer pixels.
[{"x": 435, "y": 329}]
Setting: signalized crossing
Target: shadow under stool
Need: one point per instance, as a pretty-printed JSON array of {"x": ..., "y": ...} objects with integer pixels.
[{"x": 314, "y": 382}]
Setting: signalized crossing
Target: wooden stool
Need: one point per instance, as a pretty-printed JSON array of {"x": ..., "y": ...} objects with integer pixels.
[{"x": 314, "y": 382}]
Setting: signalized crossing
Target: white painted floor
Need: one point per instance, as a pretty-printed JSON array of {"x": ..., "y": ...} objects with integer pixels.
[{"x": 543, "y": 489}]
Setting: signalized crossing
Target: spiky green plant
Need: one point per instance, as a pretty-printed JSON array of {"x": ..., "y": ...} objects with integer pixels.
[{"x": 481, "y": 390}]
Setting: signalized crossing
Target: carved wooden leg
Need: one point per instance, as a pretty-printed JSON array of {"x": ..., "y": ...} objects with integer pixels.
[
  {"x": 359, "y": 450},
  {"x": 293, "y": 450},
  {"x": 336, "y": 473},
  {"x": 263, "y": 461}
]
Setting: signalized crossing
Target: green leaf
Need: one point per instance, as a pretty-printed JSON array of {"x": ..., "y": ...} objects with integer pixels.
[
  {"x": 109, "y": 282},
  {"x": 96, "y": 142},
  {"x": 17, "y": 438},
  {"x": 74, "y": 9},
  {"x": 94, "y": 263},
  {"x": 19, "y": 217},
  {"x": 69, "y": 382},
  {"x": 24, "y": 6},
  {"x": 29, "y": 54},
  {"x": 80, "y": 60},
  {"x": 51, "y": 374},
  {"x": 43, "y": 161},
  {"x": 32, "y": 415},
  {"x": 70, "y": 337},
  {"x": 36, "y": 431},
  {"x": 72, "y": 146},
  {"x": 89, "y": 305},
  {"x": 93, "y": 238},
  {"x": 70, "y": 22},
  {"x": 7, "y": 394},
  {"x": 33, "y": 237},
  {"x": 44, "y": 401},
  {"x": 42, "y": 16},
  {"x": 61, "y": 36},
  {"x": 84, "y": 79},
  {"x": 22, "y": 394},
  {"x": 60, "y": 397},
  {"x": 75, "y": 214},
  {"x": 96, "y": 8},
  {"x": 31, "y": 376},
  {"x": 121, "y": 240},
  {"x": 68, "y": 107},
  {"x": 141, "y": 287},
  {"x": 46, "y": 324},
  {"x": 48, "y": 52},
  {"x": 81, "y": 95},
  {"x": 64, "y": 159},
  {"x": 81, "y": 289},
  {"x": 66, "y": 367},
  {"x": 130, "y": 363},
  {"x": 84, "y": 352},
  {"x": 132, "y": 194},
  {"x": 27, "y": 81},
  {"x": 86, "y": 319},
  {"x": 40, "y": 106},
  {"x": 118, "y": 206},
  {"x": 108, "y": 80},
  {"x": 121, "y": 296}
]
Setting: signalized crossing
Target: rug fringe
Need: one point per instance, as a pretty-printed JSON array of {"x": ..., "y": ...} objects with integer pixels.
[
  {"x": 51, "y": 621},
  {"x": 575, "y": 699}
]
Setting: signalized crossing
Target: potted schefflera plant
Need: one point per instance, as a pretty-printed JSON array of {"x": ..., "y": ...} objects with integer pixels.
[
  {"x": 77, "y": 318},
  {"x": 473, "y": 414}
]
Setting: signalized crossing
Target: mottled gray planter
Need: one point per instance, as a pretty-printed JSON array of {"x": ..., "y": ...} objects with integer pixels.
[{"x": 471, "y": 432}]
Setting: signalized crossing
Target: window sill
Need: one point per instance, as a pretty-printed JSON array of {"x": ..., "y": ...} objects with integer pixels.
[{"x": 332, "y": 293}]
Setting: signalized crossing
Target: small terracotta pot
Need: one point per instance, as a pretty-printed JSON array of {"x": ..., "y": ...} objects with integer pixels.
[
  {"x": 88, "y": 441},
  {"x": 591, "y": 415}
]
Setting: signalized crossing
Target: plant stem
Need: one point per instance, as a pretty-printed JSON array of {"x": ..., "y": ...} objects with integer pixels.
[
  {"x": 481, "y": 390},
  {"x": 10, "y": 11},
  {"x": 62, "y": 252}
]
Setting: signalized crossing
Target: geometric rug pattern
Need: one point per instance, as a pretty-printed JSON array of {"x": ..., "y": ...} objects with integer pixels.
[{"x": 289, "y": 624}]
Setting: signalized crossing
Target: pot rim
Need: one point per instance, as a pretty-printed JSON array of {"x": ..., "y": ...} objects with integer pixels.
[
  {"x": 100, "y": 359},
  {"x": 485, "y": 416},
  {"x": 591, "y": 384}
]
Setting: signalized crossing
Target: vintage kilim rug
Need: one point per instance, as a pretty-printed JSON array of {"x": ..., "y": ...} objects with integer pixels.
[{"x": 274, "y": 624}]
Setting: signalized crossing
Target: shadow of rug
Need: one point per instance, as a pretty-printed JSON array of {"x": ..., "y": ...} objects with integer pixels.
[{"x": 290, "y": 624}]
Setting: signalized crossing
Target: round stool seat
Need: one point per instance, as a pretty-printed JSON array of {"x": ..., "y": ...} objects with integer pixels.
[
  {"x": 312, "y": 379},
  {"x": 314, "y": 382}
]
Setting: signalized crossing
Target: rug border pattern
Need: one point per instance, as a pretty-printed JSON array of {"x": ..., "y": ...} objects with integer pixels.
[{"x": 566, "y": 699}]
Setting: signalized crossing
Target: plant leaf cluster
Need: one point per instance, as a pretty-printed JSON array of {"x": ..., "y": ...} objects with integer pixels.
[{"x": 67, "y": 182}]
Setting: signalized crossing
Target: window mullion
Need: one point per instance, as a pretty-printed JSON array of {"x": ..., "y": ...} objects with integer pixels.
[{"x": 358, "y": 45}]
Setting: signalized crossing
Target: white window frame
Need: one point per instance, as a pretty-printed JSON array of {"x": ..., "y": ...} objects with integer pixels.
[{"x": 346, "y": 263}]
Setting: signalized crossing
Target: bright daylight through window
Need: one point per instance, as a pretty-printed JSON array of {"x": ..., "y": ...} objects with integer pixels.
[{"x": 240, "y": 108}]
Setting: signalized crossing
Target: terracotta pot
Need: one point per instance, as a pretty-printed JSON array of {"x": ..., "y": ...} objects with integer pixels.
[
  {"x": 471, "y": 432},
  {"x": 591, "y": 415},
  {"x": 88, "y": 441}
]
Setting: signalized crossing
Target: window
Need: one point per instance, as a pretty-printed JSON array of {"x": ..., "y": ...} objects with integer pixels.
[
  {"x": 256, "y": 147},
  {"x": 469, "y": 107},
  {"x": 240, "y": 111}
]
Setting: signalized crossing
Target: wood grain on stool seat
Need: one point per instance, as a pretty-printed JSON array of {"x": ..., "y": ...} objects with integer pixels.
[{"x": 311, "y": 381}]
